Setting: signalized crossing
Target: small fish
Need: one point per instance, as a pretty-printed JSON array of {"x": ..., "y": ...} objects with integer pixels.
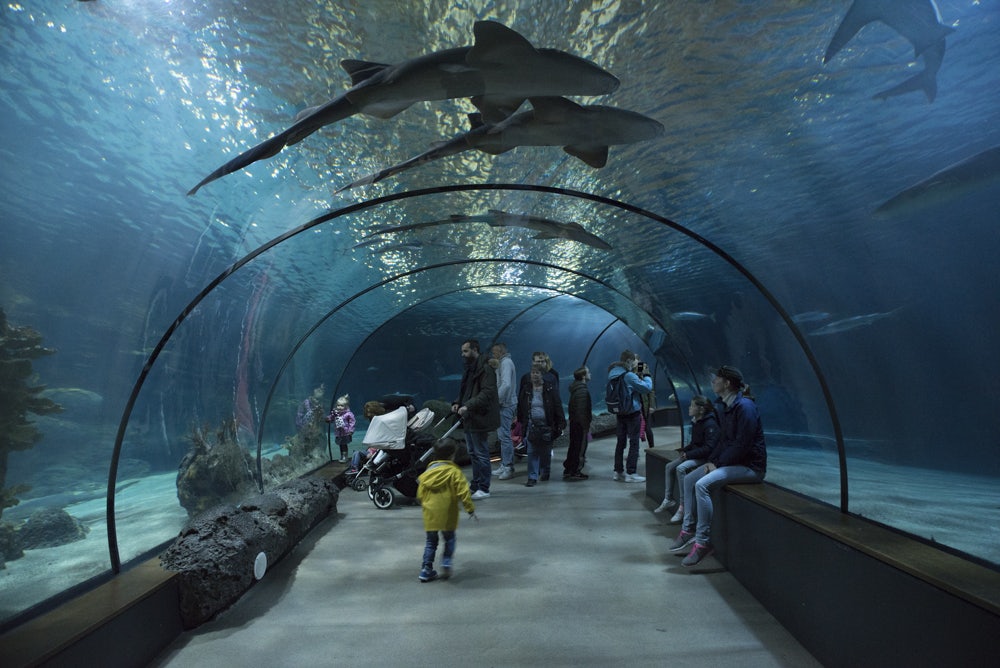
[
  {"x": 853, "y": 322},
  {"x": 810, "y": 316},
  {"x": 690, "y": 316},
  {"x": 451, "y": 377}
]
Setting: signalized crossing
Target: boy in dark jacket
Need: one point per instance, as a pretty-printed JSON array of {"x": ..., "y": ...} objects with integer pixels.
[{"x": 580, "y": 415}]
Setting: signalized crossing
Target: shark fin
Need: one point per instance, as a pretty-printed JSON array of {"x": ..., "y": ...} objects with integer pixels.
[
  {"x": 923, "y": 81},
  {"x": 595, "y": 156},
  {"x": 362, "y": 70},
  {"x": 858, "y": 16},
  {"x": 931, "y": 39},
  {"x": 554, "y": 109},
  {"x": 306, "y": 112},
  {"x": 496, "y": 42},
  {"x": 495, "y": 108},
  {"x": 386, "y": 109}
]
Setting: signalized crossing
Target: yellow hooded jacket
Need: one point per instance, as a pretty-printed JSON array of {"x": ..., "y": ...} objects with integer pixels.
[{"x": 440, "y": 489}]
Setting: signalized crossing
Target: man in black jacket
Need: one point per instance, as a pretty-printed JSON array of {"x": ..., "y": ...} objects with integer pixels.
[{"x": 479, "y": 407}]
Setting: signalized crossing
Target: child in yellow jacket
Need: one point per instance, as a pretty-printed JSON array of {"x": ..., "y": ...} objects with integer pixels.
[{"x": 439, "y": 490}]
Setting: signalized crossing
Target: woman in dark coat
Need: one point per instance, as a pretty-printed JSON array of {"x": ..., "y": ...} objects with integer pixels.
[{"x": 540, "y": 409}]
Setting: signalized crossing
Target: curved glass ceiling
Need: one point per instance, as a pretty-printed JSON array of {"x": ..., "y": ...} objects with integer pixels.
[{"x": 789, "y": 256}]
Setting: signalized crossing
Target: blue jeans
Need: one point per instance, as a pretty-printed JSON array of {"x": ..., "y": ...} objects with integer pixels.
[
  {"x": 698, "y": 486},
  {"x": 503, "y": 435},
  {"x": 430, "y": 549},
  {"x": 627, "y": 427},
  {"x": 539, "y": 458},
  {"x": 676, "y": 470},
  {"x": 479, "y": 453}
]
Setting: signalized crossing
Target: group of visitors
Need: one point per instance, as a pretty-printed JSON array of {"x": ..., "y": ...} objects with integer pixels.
[{"x": 726, "y": 445}]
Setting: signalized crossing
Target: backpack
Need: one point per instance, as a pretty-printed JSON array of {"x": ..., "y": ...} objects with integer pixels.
[{"x": 617, "y": 396}]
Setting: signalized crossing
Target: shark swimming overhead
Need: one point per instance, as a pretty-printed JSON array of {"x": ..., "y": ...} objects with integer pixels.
[
  {"x": 585, "y": 132},
  {"x": 498, "y": 73},
  {"x": 919, "y": 21},
  {"x": 547, "y": 229},
  {"x": 951, "y": 182}
]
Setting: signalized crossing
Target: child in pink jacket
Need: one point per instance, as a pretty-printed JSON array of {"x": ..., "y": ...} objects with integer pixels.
[{"x": 343, "y": 424}]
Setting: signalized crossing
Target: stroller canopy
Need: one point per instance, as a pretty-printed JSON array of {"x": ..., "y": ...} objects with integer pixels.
[{"x": 387, "y": 432}]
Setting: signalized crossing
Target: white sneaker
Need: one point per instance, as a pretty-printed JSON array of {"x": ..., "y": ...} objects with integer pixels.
[
  {"x": 634, "y": 477},
  {"x": 506, "y": 474},
  {"x": 678, "y": 516},
  {"x": 619, "y": 476},
  {"x": 480, "y": 494},
  {"x": 667, "y": 503},
  {"x": 498, "y": 470}
]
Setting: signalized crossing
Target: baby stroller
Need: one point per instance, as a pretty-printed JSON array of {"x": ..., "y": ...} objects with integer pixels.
[{"x": 403, "y": 448}]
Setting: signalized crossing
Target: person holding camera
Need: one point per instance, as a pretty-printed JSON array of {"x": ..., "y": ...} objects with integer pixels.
[
  {"x": 540, "y": 409},
  {"x": 648, "y": 403},
  {"x": 629, "y": 422}
]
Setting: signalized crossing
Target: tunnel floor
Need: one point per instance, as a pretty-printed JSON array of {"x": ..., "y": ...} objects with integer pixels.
[{"x": 564, "y": 573}]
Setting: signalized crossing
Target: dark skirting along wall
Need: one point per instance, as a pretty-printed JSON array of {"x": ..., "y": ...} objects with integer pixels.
[{"x": 847, "y": 607}]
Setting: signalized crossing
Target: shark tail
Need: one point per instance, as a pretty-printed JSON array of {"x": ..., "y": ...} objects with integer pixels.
[{"x": 261, "y": 151}]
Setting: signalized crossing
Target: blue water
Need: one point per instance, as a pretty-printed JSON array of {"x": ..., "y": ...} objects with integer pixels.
[{"x": 112, "y": 111}]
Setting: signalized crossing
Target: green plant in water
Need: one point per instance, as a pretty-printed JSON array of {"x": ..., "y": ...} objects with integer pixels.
[{"x": 19, "y": 398}]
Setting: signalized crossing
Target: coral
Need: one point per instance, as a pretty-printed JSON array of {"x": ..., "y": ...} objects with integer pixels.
[
  {"x": 214, "y": 470},
  {"x": 10, "y": 544},
  {"x": 18, "y": 398},
  {"x": 51, "y": 527}
]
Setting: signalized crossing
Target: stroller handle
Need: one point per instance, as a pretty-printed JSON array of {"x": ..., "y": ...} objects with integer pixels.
[{"x": 426, "y": 455}]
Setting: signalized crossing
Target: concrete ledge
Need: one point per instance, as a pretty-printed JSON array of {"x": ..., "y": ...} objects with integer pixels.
[
  {"x": 126, "y": 622},
  {"x": 656, "y": 465},
  {"x": 852, "y": 592}
]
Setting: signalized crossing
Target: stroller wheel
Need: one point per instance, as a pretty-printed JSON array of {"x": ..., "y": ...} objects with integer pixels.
[
  {"x": 382, "y": 497},
  {"x": 359, "y": 484}
]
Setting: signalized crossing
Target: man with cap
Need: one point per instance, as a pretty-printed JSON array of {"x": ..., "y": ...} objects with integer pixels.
[{"x": 739, "y": 457}]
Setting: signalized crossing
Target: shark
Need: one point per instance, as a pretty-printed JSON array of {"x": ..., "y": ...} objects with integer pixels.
[
  {"x": 585, "y": 132},
  {"x": 546, "y": 228},
  {"x": 953, "y": 181},
  {"x": 918, "y": 21},
  {"x": 498, "y": 72}
]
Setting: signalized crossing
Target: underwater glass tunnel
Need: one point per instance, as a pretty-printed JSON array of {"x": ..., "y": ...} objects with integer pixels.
[{"x": 754, "y": 186}]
